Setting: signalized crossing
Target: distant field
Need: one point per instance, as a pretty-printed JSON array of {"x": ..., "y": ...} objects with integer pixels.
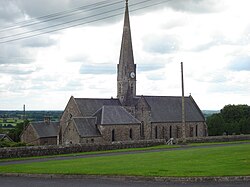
[
  {"x": 231, "y": 160},
  {"x": 9, "y": 122}
]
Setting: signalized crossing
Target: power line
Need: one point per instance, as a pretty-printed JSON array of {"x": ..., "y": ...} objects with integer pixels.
[
  {"x": 55, "y": 25},
  {"x": 54, "y": 15},
  {"x": 83, "y": 23}
]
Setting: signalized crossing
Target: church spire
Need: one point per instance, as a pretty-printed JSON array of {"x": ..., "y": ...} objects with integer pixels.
[
  {"x": 126, "y": 55},
  {"x": 126, "y": 77}
]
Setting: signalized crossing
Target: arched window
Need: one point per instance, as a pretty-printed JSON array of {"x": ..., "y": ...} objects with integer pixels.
[
  {"x": 113, "y": 135},
  {"x": 131, "y": 134},
  {"x": 142, "y": 129},
  {"x": 170, "y": 131},
  {"x": 156, "y": 132},
  {"x": 196, "y": 130}
]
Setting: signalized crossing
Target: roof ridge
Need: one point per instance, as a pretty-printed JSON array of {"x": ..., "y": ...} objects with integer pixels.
[
  {"x": 130, "y": 114},
  {"x": 98, "y": 98}
]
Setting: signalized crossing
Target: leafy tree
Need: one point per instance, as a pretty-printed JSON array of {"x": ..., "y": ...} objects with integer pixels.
[
  {"x": 216, "y": 125},
  {"x": 232, "y": 119},
  {"x": 16, "y": 132}
]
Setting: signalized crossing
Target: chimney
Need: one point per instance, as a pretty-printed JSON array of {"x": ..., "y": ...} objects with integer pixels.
[{"x": 47, "y": 119}]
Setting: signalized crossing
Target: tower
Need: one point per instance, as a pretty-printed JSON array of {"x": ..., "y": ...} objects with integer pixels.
[{"x": 126, "y": 69}]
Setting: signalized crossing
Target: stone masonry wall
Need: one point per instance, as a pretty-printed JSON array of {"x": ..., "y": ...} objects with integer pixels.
[
  {"x": 174, "y": 130},
  {"x": 143, "y": 114},
  {"x": 70, "y": 111},
  {"x": 209, "y": 139},
  {"x": 28, "y": 136},
  {"x": 121, "y": 132},
  {"x": 64, "y": 149}
]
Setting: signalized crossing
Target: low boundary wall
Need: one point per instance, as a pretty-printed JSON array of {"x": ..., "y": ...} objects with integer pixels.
[
  {"x": 30, "y": 151},
  {"x": 210, "y": 139}
]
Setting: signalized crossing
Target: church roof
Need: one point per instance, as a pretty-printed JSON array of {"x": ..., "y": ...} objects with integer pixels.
[
  {"x": 44, "y": 129},
  {"x": 169, "y": 109},
  {"x": 86, "y": 126},
  {"x": 89, "y": 106},
  {"x": 5, "y": 137},
  {"x": 114, "y": 115}
]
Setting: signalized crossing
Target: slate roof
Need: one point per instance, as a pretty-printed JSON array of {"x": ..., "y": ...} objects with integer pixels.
[
  {"x": 45, "y": 130},
  {"x": 115, "y": 115},
  {"x": 169, "y": 109},
  {"x": 86, "y": 126},
  {"x": 3, "y": 136},
  {"x": 89, "y": 106}
]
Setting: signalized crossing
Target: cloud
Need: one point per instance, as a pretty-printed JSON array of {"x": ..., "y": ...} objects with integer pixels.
[
  {"x": 195, "y": 6},
  {"x": 241, "y": 63},
  {"x": 149, "y": 67},
  {"x": 17, "y": 69},
  {"x": 9, "y": 12},
  {"x": 98, "y": 69},
  {"x": 42, "y": 41},
  {"x": 160, "y": 44}
]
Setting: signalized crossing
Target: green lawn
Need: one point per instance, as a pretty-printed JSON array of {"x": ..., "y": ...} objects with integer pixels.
[
  {"x": 94, "y": 152},
  {"x": 215, "y": 161}
]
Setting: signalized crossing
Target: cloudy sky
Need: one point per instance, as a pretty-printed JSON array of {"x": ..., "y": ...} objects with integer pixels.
[{"x": 211, "y": 37}]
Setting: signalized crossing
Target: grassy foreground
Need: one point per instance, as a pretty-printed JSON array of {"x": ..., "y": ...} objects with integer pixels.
[{"x": 217, "y": 161}]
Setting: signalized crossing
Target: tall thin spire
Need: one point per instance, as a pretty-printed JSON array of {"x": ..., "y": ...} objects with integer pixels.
[
  {"x": 126, "y": 55},
  {"x": 126, "y": 77}
]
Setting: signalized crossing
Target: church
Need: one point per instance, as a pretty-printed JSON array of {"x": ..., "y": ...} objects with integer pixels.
[{"x": 128, "y": 117}]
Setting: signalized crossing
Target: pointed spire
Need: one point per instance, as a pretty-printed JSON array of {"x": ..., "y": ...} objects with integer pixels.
[
  {"x": 126, "y": 54},
  {"x": 126, "y": 77}
]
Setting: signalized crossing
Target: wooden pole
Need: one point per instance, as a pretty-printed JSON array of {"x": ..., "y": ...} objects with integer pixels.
[{"x": 183, "y": 106}]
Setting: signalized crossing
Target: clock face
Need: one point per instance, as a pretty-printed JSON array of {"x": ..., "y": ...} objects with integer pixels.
[{"x": 132, "y": 75}]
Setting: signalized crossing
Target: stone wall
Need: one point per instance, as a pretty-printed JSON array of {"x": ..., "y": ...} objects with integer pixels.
[
  {"x": 143, "y": 114},
  {"x": 47, "y": 141},
  {"x": 208, "y": 139},
  {"x": 29, "y": 136},
  {"x": 120, "y": 132},
  {"x": 64, "y": 149},
  {"x": 174, "y": 130},
  {"x": 69, "y": 112}
]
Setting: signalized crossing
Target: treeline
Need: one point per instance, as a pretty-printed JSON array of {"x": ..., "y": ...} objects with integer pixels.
[
  {"x": 31, "y": 115},
  {"x": 232, "y": 119}
]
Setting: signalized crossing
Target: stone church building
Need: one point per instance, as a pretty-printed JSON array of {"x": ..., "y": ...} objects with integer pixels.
[{"x": 128, "y": 117}]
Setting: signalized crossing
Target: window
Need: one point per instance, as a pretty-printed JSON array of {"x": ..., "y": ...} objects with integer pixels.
[
  {"x": 142, "y": 129},
  {"x": 191, "y": 131},
  {"x": 170, "y": 131},
  {"x": 156, "y": 132},
  {"x": 196, "y": 130},
  {"x": 132, "y": 88},
  {"x": 130, "y": 133},
  {"x": 92, "y": 140},
  {"x": 119, "y": 89},
  {"x": 113, "y": 135}
]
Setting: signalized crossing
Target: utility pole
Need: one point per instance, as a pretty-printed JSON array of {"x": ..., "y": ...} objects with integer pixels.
[
  {"x": 24, "y": 113},
  {"x": 183, "y": 106}
]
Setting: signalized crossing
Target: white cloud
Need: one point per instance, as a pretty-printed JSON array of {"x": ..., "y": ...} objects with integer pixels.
[{"x": 210, "y": 37}]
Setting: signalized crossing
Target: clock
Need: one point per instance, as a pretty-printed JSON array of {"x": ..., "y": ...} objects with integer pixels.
[{"x": 132, "y": 75}]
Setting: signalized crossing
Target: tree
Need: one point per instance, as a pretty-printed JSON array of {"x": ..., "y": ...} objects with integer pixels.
[
  {"x": 216, "y": 125},
  {"x": 232, "y": 119},
  {"x": 15, "y": 133}
]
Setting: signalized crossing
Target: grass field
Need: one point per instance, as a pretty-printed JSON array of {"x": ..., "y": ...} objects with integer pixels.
[
  {"x": 94, "y": 152},
  {"x": 231, "y": 160}
]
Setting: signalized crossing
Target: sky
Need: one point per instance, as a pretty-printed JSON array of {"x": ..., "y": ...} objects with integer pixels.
[{"x": 210, "y": 37}]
